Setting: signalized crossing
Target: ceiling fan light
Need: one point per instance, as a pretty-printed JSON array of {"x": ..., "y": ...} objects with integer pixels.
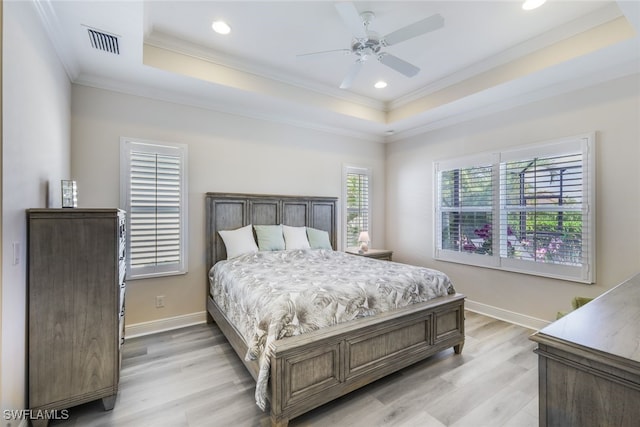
[
  {"x": 221, "y": 27},
  {"x": 380, "y": 84},
  {"x": 532, "y": 4}
]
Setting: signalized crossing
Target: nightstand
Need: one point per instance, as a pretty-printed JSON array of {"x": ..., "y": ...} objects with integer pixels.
[{"x": 382, "y": 254}]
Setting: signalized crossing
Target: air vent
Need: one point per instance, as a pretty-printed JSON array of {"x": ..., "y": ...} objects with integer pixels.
[{"x": 103, "y": 41}]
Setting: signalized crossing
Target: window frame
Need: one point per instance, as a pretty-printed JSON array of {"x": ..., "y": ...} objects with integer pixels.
[
  {"x": 477, "y": 160},
  {"x": 359, "y": 170},
  {"x": 127, "y": 146},
  {"x": 583, "y": 144}
]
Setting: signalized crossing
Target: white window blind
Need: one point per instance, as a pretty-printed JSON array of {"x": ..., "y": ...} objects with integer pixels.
[
  {"x": 155, "y": 197},
  {"x": 357, "y": 201},
  {"x": 529, "y": 210}
]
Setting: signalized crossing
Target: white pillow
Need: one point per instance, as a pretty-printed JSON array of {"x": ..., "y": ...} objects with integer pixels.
[
  {"x": 295, "y": 237},
  {"x": 239, "y": 241}
]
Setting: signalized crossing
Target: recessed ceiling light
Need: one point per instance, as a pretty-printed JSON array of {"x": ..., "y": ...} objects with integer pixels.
[
  {"x": 221, "y": 27},
  {"x": 380, "y": 85},
  {"x": 532, "y": 4}
]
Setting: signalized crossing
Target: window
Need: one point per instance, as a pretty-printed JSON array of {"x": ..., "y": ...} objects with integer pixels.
[
  {"x": 356, "y": 183},
  {"x": 154, "y": 193},
  {"x": 526, "y": 210}
]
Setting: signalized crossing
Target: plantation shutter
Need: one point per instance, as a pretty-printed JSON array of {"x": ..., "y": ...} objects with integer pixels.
[
  {"x": 154, "y": 191},
  {"x": 544, "y": 208},
  {"x": 155, "y": 209},
  {"x": 526, "y": 210},
  {"x": 357, "y": 201},
  {"x": 465, "y": 207}
]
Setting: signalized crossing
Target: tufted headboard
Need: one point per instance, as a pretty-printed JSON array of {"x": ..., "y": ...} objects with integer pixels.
[{"x": 228, "y": 211}]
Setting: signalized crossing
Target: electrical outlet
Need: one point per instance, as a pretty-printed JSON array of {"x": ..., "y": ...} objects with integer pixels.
[{"x": 159, "y": 301}]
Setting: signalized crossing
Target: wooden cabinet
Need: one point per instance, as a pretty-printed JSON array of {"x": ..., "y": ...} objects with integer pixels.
[
  {"x": 76, "y": 289},
  {"x": 589, "y": 362},
  {"x": 383, "y": 254}
]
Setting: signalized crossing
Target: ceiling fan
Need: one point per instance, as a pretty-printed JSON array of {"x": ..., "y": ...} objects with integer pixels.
[{"x": 367, "y": 44}]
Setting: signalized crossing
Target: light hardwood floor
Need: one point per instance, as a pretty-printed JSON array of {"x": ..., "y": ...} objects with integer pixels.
[{"x": 191, "y": 377}]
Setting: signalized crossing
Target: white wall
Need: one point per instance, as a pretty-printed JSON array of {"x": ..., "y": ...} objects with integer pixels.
[
  {"x": 36, "y": 120},
  {"x": 227, "y": 153},
  {"x": 611, "y": 109}
]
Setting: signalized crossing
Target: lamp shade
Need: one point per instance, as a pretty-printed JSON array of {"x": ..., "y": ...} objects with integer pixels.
[{"x": 364, "y": 237}]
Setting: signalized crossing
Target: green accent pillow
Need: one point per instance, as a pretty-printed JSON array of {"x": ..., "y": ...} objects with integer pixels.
[
  {"x": 318, "y": 239},
  {"x": 270, "y": 237}
]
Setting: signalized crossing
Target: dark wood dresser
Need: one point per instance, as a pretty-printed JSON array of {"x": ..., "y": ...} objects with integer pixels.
[
  {"x": 589, "y": 362},
  {"x": 76, "y": 290}
]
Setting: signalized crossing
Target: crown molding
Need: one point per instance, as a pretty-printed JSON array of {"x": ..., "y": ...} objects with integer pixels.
[
  {"x": 167, "y": 42},
  {"x": 220, "y": 107},
  {"x": 465, "y": 109},
  {"x": 52, "y": 27},
  {"x": 601, "y": 16},
  {"x": 538, "y": 94},
  {"x": 631, "y": 10}
]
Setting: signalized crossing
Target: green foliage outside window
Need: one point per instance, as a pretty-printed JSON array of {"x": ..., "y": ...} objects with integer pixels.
[{"x": 543, "y": 215}]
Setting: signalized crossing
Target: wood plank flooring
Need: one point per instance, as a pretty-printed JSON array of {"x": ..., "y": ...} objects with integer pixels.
[{"x": 192, "y": 378}]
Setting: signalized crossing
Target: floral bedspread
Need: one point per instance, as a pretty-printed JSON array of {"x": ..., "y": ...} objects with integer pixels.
[{"x": 272, "y": 295}]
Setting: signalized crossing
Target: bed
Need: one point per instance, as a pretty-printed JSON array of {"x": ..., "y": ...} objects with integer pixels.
[{"x": 313, "y": 368}]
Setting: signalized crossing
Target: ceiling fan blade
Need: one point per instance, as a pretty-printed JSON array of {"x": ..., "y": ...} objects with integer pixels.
[
  {"x": 353, "y": 72},
  {"x": 324, "y": 52},
  {"x": 414, "y": 30},
  {"x": 351, "y": 18},
  {"x": 401, "y": 66}
]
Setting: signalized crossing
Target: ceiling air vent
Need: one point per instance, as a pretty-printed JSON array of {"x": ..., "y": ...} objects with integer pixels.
[{"x": 103, "y": 41}]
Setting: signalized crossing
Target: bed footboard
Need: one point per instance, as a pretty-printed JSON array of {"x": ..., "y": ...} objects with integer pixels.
[
  {"x": 312, "y": 369},
  {"x": 315, "y": 368}
]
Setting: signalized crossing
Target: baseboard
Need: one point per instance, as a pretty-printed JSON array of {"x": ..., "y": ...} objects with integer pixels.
[
  {"x": 506, "y": 315},
  {"x": 170, "y": 323},
  {"x": 161, "y": 325}
]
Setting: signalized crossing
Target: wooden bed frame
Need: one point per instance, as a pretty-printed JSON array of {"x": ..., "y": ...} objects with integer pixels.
[{"x": 312, "y": 369}]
